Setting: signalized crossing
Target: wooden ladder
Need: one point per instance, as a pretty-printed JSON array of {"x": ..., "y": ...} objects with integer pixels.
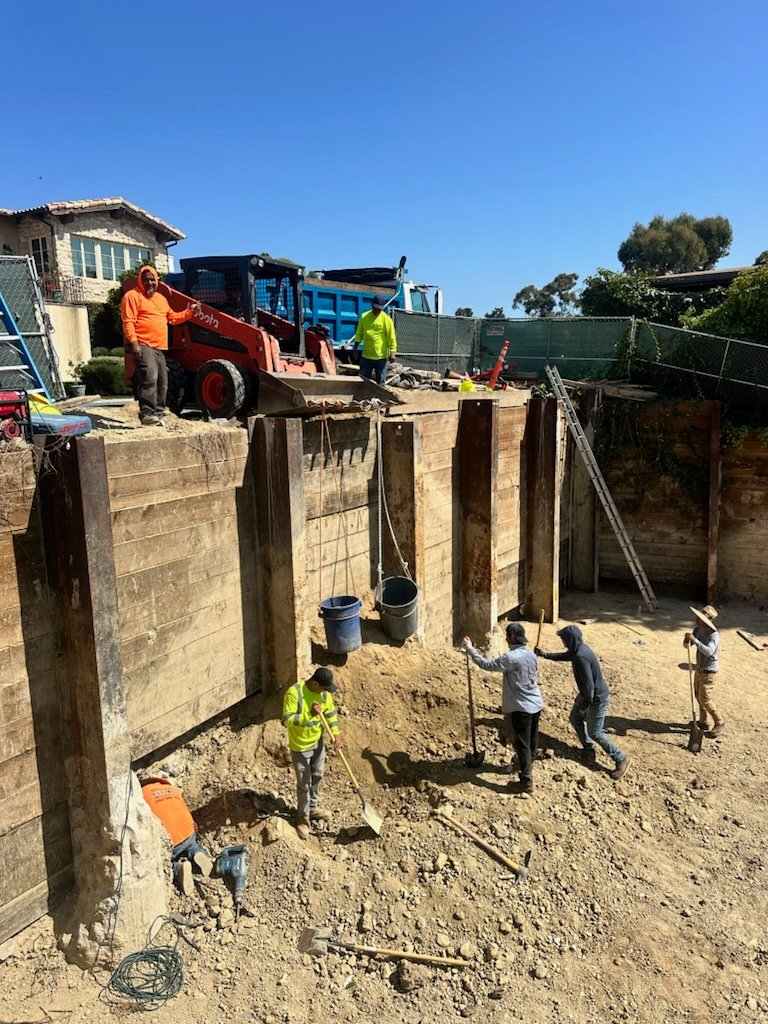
[{"x": 601, "y": 487}]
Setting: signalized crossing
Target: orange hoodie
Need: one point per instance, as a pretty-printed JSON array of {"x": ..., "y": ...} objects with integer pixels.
[{"x": 146, "y": 319}]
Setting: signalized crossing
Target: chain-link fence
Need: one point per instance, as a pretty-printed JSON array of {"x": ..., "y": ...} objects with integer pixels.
[
  {"x": 437, "y": 343},
  {"x": 581, "y": 348},
  {"x": 20, "y": 288}
]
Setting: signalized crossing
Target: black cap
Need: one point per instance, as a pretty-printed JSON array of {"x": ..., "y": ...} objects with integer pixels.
[
  {"x": 516, "y": 633},
  {"x": 323, "y": 677},
  {"x": 380, "y": 301}
]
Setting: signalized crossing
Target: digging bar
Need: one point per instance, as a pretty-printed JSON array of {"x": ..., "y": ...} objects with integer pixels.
[
  {"x": 694, "y": 740},
  {"x": 476, "y": 758},
  {"x": 316, "y": 941},
  {"x": 371, "y": 816},
  {"x": 519, "y": 870}
]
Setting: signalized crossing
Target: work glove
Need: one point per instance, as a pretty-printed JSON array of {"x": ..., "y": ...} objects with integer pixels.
[{"x": 538, "y": 652}]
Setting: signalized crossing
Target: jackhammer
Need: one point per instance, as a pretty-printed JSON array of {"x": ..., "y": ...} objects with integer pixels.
[{"x": 232, "y": 865}]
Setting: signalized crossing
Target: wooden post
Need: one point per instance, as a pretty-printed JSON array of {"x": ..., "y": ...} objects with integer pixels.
[
  {"x": 543, "y": 440},
  {"x": 715, "y": 488},
  {"x": 401, "y": 457},
  {"x": 478, "y": 499},
  {"x": 282, "y": 542},
  {"x": 585, "y": 518},
  {"x": 119, "y": 860}
]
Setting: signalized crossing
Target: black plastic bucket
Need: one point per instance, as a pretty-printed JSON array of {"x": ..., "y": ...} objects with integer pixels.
[{"x": 398, "y": 602}]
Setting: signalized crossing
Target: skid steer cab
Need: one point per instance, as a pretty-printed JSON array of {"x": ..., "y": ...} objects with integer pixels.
[{"x": 247, "y": 348}]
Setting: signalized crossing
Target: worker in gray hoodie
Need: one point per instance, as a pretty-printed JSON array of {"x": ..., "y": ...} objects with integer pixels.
[
  {"x": 591, "y": 704},
  {"x": 521, "y": 700}
]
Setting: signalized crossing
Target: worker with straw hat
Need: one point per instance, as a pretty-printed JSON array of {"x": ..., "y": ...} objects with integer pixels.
[{"x": 706, "y": 640}]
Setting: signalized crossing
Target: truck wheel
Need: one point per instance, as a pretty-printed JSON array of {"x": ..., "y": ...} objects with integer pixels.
[
  {"x": 178, "y": 386},
  {"x": 222, "y": 389}
]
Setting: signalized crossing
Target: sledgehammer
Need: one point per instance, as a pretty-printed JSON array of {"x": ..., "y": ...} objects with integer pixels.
[{"x": 519, "y": 870}]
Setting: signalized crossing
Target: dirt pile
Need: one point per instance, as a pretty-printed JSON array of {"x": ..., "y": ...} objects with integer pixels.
[{"x": 645, "y": 899}]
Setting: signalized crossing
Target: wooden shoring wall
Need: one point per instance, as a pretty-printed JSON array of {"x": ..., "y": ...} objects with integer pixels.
[{"x": 35, "y": 849}]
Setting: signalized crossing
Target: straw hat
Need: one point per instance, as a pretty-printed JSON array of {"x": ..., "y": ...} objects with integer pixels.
[{"x": 707, "y": 615}]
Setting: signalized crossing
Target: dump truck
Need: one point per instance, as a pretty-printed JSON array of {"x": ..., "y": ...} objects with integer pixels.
[
  {"x": 247, "y": 346},
  {"x": 334, "y": 299}
]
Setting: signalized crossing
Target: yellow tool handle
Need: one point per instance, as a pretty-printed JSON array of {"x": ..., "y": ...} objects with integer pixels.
[
  {"x": 497, "y": 854},
  {"x": 401, "y": 954},
  {"x": 541, "y": 623},
  {"x": 340, "y": 752}
]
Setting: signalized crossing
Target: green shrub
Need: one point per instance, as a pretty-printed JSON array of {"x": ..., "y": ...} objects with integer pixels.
[
  {"x": 117, "y": 353},
  {"x": 104, "y": 375},
  {"x": 99, "y": 351}
]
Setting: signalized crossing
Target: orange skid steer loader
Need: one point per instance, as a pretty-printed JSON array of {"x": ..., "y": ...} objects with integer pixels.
[{"x": 247, "y": 348}]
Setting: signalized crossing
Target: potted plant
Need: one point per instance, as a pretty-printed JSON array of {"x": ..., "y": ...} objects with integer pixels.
[{"x": 75, "y": 388}]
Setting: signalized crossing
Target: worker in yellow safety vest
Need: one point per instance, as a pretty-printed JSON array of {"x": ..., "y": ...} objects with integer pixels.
[{"x": 303, "y": 704}]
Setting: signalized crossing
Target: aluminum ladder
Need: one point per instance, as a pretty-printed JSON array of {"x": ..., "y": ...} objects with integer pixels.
[
  {"x": 11, "y": 336},
  {"x": 601, "y": 487}
]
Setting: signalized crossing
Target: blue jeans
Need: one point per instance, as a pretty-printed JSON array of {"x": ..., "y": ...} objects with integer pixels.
[
  {"x": 589, "y": 724},
  {"x": 185, "y": 850},
  {"x": 374, "y": 369}
]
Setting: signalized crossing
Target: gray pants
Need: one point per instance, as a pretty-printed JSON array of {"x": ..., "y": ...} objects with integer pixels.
[
  {"x": 151, "y": 380},
  {"x": 309, "y": 766}
]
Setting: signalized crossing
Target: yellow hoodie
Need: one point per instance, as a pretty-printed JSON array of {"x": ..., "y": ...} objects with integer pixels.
[{"x": 146, "y": 319}]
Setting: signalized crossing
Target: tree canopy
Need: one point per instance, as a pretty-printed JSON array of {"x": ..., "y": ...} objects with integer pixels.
[
  {"x": 464, "y": 311},
  {"x": 558, "y": 298},
  {"x": 497, "y": 313},
  {"x": 743, "y": 312},
  {"x": 676, "y": 246},
  {"x": 607, "y": 293}
]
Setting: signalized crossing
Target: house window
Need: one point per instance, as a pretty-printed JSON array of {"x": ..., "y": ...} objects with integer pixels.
[
  {"x": 40, "y": 254},
  {"x": 104, "y": 260}
]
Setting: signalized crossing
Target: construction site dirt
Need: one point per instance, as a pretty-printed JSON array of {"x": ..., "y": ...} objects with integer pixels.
[{"x": 644, "y": 900}]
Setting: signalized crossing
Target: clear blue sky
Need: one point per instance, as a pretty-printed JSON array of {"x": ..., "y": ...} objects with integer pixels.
[{"x": 494, "y": 143}]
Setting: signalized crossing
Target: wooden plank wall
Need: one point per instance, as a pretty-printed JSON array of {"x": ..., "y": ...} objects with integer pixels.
[
  {"x": 35, "y": 851},
  {"x": 186, "y": 564},
  {"x": 347, "y": 525},
  {"x": 438, "y": 476},
  {"x": 665, "y": 514},
  {"x": 743, "y": 547},
  {"x": 512, "y": 508}
]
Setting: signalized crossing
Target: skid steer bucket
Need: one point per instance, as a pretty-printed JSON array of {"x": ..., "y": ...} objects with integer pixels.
[{"x": 300, "y": 394}]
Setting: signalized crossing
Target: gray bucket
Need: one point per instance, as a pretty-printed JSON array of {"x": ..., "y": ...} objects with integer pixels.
[{"x": 398, "y": 602}]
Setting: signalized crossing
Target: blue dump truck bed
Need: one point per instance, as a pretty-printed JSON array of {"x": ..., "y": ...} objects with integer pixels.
[{"x": 338, "y": 306}]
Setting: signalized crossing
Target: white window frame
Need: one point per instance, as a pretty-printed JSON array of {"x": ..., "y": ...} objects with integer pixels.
[
  {"x": 44, "y": 266},
  {"x": 107, "y": 251}
]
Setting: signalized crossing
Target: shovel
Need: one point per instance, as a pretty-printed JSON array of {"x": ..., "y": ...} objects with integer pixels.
[
  {"x": 518, "y": 870},
  {"x": 316, "y": 941},
  {"x": 694, "y": 740},
  {"x": 476, "y": 758},
  {"x": 371, "y": 816}
]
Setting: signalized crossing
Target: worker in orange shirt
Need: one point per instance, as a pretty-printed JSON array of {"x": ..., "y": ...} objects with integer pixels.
[
  {"x": 167, "y": 803},
  {"x": 146, "y": 314}
]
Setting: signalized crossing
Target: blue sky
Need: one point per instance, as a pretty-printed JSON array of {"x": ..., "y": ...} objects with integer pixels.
[{"x": 496, "y": 144}]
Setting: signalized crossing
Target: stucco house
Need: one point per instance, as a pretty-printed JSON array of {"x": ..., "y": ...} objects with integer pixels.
[{"x": 81, "y": 247}]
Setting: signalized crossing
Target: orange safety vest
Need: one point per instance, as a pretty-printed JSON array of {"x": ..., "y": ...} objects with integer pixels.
[{"x": 168, "y": 805}]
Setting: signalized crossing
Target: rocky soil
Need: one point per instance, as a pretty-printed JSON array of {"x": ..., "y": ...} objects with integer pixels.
[{"x": 645, "y": 899}]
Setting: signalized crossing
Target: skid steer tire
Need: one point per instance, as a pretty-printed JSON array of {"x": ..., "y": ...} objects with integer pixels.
[
  {"x": 222, "y": 389},
  {"x": 178, "y": 386}
]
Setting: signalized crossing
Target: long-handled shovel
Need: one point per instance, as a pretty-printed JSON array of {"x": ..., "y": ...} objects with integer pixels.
[
  {"x": 694, "y": 740},
  {"x": 541, "y": 623},
  {"x": 371, "y": 816},
  {"x": 518, "y": 870},
  {"x": 316, "y": 941},
  {"x": 476, "y": 758}
]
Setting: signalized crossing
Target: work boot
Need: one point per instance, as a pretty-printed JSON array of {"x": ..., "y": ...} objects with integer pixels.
[
  {"x": 620, "y": 770},
  {"x": 716, "y": 729},
  {"x": 184, "y": 878},
  {"x": 319, "y": 815},
  {"x": 150, "y": 421},
  {"x": 302, "y": 829},
  {"x": 203, "y": 863},
  {"x": 522, "y": 786}
]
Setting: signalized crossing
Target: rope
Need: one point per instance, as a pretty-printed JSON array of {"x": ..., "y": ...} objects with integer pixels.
[
  {"x": 383, "y": 502},
  {"x": 336, "y": 481},
  {"x": 151, "y": 976}
]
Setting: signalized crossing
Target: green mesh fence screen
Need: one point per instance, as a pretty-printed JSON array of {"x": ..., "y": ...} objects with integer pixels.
[
  {"x": 580, "y": 348},
  {"x": 436, "y": 343}
]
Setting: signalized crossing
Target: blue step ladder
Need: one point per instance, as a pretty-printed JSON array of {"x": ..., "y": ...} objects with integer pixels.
[{"x": 11, "y": 338}]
